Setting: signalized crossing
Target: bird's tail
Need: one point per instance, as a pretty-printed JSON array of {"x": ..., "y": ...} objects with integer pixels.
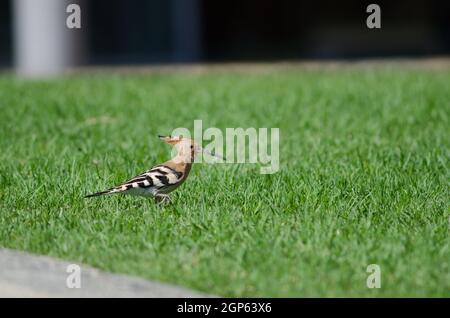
[{"x": 96, "y": 194}]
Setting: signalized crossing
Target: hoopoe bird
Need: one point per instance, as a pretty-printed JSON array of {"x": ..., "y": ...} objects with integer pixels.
[{"x": 162, "y": 179}]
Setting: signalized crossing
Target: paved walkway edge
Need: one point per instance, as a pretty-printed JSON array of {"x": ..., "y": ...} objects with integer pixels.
[{"x": 26, "y": 275}]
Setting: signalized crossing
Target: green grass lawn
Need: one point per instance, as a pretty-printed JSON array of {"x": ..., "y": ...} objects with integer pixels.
[{"x": 364, "y": 178}]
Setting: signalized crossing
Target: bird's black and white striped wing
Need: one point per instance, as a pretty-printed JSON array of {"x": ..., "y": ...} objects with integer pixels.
[{"x": 159, "y": 179}]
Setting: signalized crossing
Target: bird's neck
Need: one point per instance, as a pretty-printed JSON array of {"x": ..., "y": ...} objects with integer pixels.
[{"x": 182, "y": 164}]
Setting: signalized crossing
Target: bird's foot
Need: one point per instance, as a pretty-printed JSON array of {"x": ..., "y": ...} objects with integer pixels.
[{"x": 162, "y": 198}]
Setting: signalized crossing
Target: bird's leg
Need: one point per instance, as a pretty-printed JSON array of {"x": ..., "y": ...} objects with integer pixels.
[
  {"x": 160, "y": 198},
  {"x": 166, "y": 198},
  {"x": 169, "y": 200}
]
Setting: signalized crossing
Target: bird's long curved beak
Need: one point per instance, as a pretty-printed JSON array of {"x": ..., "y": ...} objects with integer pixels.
[{"x": 213, "y": 155}]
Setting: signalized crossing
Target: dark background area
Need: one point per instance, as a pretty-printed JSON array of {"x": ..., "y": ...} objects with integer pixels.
[
  {"x": 5, "y": 33},
  {"x": 161, "y": 31}
]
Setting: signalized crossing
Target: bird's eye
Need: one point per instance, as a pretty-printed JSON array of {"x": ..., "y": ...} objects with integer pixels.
[{"x": 192, "y": 147}]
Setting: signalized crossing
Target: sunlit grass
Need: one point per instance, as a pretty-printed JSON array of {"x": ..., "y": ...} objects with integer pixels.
[{"x": 363, "y": 179}]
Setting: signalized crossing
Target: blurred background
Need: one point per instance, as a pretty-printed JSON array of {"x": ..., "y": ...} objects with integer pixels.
[{"x": 34, "y": 38}]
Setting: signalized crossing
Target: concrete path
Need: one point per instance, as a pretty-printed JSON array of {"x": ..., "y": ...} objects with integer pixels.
[{"x": 25, "y": 275}]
